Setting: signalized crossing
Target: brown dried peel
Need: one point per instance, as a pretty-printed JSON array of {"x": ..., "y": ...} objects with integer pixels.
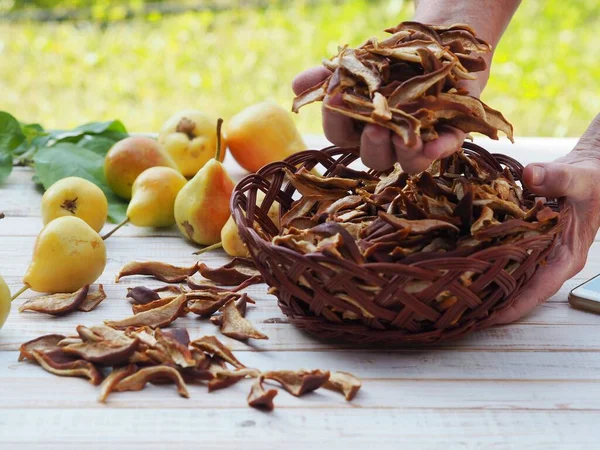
[
  {"x": 206, "y": 303},
  {"x": 113, "y": 379},
  {"x": 213, "y": 346},
  {"x": 343, "y": 382},
  {"x": 166, "y": 357},
  {"x": 259, "y": 398},
  {"x": 298, "y": 382},
  {"x": 233, "y": 273},
  {"x": 382, "y": 82},
  {"x": 56, "y": 304},
  {"x": 226, "y": 378},
  {"x": 142, "y": 295},
  {"x": 112, "y": 351},
  {"x": 207, "y": 285},
  {"x": 234, "y": 325},
  {"x": 158, "y": 317},
  {"x": 92, "y": 299},
  {"x": 138, "y": 380},
  {"x": 41, "y": 344},
  {"x": 160, "y": 271},
  {"x": 58, "y": 363}
]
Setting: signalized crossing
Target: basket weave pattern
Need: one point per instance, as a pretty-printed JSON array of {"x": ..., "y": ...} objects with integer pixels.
[{"x": 309, "y": 287}]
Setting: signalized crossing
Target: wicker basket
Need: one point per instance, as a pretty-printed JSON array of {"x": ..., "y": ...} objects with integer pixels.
[{"x": 400, "y": 320}]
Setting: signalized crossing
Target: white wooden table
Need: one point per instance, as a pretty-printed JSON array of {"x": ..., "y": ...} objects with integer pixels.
[{"x": 533, "y": 384}]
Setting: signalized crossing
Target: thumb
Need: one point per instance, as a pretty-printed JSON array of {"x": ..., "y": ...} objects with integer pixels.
[{"x": 558, "y": 180}]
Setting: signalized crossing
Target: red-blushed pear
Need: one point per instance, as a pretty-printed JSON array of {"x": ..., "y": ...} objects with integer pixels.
[
  {"x": 128, "y": 158},
  {"x": 261, "y": 134},
  {"x": 202, "y": 206}
]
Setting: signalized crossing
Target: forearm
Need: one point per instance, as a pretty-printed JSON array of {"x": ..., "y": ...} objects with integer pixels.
[{"x": 489, "y": 18}]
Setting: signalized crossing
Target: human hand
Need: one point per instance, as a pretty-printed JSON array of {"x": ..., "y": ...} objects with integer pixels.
[
  {"x": 380, "y": 148},
  {"x": 574, "y": 177}
]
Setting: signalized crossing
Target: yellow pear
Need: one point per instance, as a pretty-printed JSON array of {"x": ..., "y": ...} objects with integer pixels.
[
  {"x": 189, "y": 138},
  {"x": 4, "y": 301},
  {"x": 202, "y": 206},
  {"x": 78, "y": 197},
  {"x": 230, "y": 236},
  {"x": 68, "y": 254},
  {"x": 153, "y": 197}
]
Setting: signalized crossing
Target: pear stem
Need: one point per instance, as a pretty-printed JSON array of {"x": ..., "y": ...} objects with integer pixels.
[
  {"x": 111, "y": 232},
  {"x": 219, "y": 126},
  {"x": 19, "y": 292},
  {"x": 209, "y": 248}
]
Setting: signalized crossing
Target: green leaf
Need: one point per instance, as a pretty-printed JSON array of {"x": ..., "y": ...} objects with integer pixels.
[
  {"x": 11, "y": 137},
  {"x": 98, "y": 144},
  {"x": 69, "y": 160},
  {"x": 112, "y": 130},
  {"x": 35, "y": 138},
  {"x": 6, "y": 165}
]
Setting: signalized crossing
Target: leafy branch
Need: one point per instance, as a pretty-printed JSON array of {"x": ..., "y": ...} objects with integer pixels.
[{"x": 59, "y": 154}]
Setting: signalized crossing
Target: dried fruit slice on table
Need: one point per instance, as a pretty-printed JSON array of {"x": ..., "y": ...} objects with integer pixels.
[
  {"x": 59, "y": 363},
  {"x": 154, "y": 318},
  {"x": 233, "y": 273},
  {"x": 109, "y": 349},
  {"x": 259, "y": 398},
  {"x": 344, "y": 382},
  {"x": 56, "y": 304},
  {"x": 166, "y": 357},
  {"x": 92, "y": 299},
  {"x": 236, "y": 326},
  {"x": 41, "y": 344},
  {"x": 159, "y": 270},
  {"x": 213, "y": 346},
  {"x": 298, "y": 382},
  {"x": 138, "y": 380},
  {"x": 226, "y": 378}
]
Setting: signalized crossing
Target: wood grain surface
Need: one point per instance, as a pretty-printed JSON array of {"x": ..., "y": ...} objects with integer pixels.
[{"x": 532, "y": 384}]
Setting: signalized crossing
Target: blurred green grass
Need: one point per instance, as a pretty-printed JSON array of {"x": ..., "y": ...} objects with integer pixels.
[{"x": 545, "y": 76}]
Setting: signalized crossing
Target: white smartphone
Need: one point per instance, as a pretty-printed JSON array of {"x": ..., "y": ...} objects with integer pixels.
[{"x": 586, "y": 296}]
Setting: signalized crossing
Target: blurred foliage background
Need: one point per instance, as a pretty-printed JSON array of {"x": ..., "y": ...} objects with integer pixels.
[{"x": 65, "y": 62}]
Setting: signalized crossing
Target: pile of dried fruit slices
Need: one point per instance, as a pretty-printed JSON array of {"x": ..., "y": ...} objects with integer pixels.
[
  {"x": 136, "y": 356},
  {"x": 412, "y": 83}
]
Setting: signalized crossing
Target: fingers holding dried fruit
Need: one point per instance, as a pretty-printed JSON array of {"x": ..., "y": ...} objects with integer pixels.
[{"x": 400, "y": 84}]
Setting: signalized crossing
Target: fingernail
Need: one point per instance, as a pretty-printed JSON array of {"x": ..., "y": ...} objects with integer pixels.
[
  {"x": 539, "y": 173},
  {"x": 375, "y": 137}
]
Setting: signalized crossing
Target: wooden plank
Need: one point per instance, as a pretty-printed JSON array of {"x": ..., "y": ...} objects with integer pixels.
[
  {"x": 407, "y": 364},
  {"x": 226, "y": 428},
  {"x": 375, "y": 394},
  {"x": 283, "y": 337}
]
